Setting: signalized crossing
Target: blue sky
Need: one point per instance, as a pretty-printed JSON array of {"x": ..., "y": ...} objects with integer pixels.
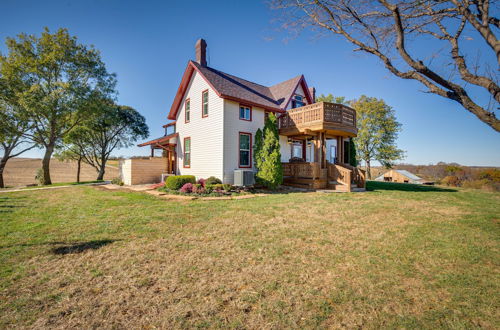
[{"x": 148, "y": 44}]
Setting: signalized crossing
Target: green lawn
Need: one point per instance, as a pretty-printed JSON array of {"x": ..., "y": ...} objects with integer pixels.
[{"x": 399, "y": 256}]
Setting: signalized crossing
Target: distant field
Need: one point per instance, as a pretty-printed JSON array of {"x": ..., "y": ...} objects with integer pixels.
[{"x": 22, "y": 171}]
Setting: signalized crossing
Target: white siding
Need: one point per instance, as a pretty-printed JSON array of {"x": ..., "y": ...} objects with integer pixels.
[
  {"x": 206, "y": 133},
  {"x": 232, "y": 127},
  {"x": 285, "y": 149}
]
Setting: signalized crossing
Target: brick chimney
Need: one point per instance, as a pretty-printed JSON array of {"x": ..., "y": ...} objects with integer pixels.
[
  {"x": 312, "y": 91},
  {"x": 201, "y": 52}
]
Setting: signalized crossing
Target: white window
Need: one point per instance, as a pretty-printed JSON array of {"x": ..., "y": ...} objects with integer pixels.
[
  {"x": 188, "y": 110},
  {"x": 245, "y": 112},
  {"x": 204, "y": 103}
]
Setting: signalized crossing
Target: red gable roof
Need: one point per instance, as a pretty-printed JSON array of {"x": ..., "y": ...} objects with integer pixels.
[{"x": 274, "y": 98}]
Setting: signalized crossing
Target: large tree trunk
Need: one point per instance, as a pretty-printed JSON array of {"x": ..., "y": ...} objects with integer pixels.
[
  {"x": 102, "y": 170},
  {"x": 3, "y": 162},
  {"x": 368, "y": 169},
  {"x": 46, "y": 164},
  {"x": 78, "y": 168}
]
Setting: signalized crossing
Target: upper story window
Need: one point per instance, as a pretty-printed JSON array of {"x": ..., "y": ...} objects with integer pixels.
[
  {"x": 204, "y": 103},
  {"x": 169, "y": 128},
  {"x": 298, "y": 101},
  {"x": 245, "y": 113},
  {"x": 187, "y": 110}
]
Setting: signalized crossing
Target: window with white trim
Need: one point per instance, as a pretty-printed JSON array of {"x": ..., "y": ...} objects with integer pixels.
[
  {"x": 245, "y": 112},
  {"x": 187, "y": 152},
  {"x": 204, "y": 103},
  {"x": 187, "y": 109}
]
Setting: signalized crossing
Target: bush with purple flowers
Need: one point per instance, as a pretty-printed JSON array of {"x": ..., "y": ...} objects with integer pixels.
[{"x": 187, "y": 188}]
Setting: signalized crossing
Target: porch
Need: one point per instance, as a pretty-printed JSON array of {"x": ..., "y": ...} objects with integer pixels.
[
  {"x": 319, "y": 134},
  {"x": 341, "y": 177}
]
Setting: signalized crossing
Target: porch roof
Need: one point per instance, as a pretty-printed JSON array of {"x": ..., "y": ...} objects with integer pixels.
[{"x": 162, "y": 140}]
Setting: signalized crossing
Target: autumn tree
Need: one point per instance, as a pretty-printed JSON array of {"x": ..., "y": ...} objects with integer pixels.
[
  {"x": 54, "y": 78},
  {"x": 378, "y": 130},
  {"x": 419, "y": 40}
]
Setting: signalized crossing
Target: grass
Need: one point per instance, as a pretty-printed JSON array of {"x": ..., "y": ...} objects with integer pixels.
[{"x": 394, "y": 257}]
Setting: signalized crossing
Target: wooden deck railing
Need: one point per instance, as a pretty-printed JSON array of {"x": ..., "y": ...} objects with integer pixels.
[
  {"x": 301, "y": 170},
  {"x": 321, "y": 112},
  {"x": 340, "y": 174},
  {"x": 358, "y": 175}
]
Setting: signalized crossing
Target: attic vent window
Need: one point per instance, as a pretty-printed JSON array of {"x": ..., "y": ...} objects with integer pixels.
[{"x": 298, "y": 101}]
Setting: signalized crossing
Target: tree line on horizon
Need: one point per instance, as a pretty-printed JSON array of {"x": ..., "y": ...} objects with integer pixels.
[{"x": 57, "y": 94}]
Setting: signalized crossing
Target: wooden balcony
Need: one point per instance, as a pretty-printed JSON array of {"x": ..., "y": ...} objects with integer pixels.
[{"x": 331, "y": 118}]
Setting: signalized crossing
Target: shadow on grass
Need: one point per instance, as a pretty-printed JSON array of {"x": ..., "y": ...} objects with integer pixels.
[
  {"x": 8, "y": 204},
  {"x": 81, "y": 246},
  {"x": 376, "y": 185}
]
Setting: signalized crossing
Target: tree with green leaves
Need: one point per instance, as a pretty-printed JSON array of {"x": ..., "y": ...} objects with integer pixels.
[
  {"x": 378, "y": 130},
  {"x": 14, "y": 126},
  {"x": 268, "y": 162},
  {"x": 257, "y": 149},
  {"x": 332, "y": 99},
  {"x": 110, "y": 127},
  {"x": 71, "y": 153},
  {"x": 54, "y": 78},
  {"x": 353, "y": 159}
]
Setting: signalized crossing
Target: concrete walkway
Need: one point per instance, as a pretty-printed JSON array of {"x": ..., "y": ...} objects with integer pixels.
[{"x": 55, "y": 187}]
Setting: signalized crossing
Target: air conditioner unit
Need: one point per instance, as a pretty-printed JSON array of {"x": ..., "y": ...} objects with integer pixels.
[{"x": 243, "y": 178}]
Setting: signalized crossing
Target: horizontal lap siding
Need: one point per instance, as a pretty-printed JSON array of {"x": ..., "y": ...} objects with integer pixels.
[
  {"x": 232, "y": 127},
  {"x": 206, "y": 133},
  {"x": 285, "y": 149},
  {"x": 142, "y": 171}
]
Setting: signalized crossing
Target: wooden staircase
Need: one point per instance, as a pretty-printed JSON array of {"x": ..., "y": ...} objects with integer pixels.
[{"x": 337, "y": 177}]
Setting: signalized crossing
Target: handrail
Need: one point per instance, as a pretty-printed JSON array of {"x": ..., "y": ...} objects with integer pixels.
[
  {"x": 359, "y": 175},
  {"x": 318, "y": 112},
  {"x": 340, "y": 174},
  {"x": 301, "y": 170}
]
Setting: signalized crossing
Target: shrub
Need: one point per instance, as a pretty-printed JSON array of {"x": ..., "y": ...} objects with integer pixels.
[
  {"x": 451, "y": 180},
  {"x": 209, "y": 188},
  {"x": 218, "y": 187},
  {"x": 187, "y": 188},
  {"x": 39, "y": 177},
  {"x": 176, "y": 182},
  {"x": 227, "y": 187},
  {"x": 198, "y": 189},
  {"x": 117, "y": 181},
  {"x": 202, "y": 182},
  {"x": 268, "y": 158},
  {"x": 213, "y": 180}
]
